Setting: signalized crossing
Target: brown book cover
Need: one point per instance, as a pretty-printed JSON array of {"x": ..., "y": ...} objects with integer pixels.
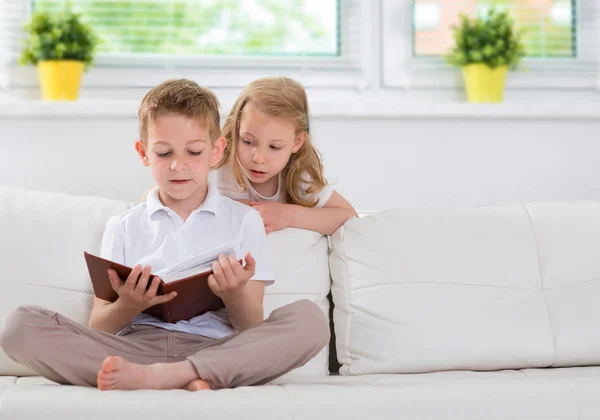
[{"x": 194, "y": 296}]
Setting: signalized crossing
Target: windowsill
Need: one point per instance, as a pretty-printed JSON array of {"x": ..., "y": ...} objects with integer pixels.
[{"x": 394, "y": 104}]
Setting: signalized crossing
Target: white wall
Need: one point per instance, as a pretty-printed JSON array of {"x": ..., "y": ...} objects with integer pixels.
[
  {"x": 378, "y": 162},
  {"x": 395, "y": 135},
  {"x": 393, "y": 132}
]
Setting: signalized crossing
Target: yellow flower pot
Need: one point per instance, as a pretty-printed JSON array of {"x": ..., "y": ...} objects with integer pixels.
[
  {"x": 483, "y": 83},
  {"x": 60, "y": 79}
]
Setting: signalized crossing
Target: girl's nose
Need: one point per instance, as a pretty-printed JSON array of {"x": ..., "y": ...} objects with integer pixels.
[{"x": 257, "y": 158}]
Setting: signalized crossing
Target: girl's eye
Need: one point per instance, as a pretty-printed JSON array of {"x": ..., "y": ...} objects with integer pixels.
[
  {"x": 163, "y": 154},
  {"x": 195, "y": 153},
  {"x": 246, "y": 141},
  {"x": 275, "y": 148}
]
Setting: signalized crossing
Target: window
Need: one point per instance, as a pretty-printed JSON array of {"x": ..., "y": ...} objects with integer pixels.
[
  {"x": 333, "y": 44},
  {"x": 222, "y": 43},
  {"x": 211, "y": 28},
  {"x": 550, "y": 25},
  {"x": 562, "y": 38}
]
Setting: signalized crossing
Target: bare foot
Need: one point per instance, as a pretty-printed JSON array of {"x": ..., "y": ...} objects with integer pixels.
[
  {"x": 197, "y": 385},
  {"x": 118, "y": 373}
]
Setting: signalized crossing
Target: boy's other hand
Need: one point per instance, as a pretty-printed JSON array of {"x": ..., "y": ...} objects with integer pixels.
[
  {"x": 229, "y": 277},
  {"x": 134, "y": 291}
]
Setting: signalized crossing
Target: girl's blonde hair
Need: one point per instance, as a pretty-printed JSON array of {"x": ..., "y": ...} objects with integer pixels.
[{"x": 279, "y": 97}]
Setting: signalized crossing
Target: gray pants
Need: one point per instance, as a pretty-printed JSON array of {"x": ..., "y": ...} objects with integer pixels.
[{"x": 70, "y": 353}]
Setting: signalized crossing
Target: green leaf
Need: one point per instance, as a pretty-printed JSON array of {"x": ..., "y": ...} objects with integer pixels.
[
  {"x": 488, "y": 51},
  {"x": 491, "y": 39},
  {"x": 58, "y": 36}
]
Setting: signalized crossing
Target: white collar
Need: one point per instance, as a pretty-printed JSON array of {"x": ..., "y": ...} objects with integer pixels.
[{"x": 211, "y": 202}]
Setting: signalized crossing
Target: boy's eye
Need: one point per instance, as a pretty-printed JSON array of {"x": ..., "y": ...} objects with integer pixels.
[
  {"x": 163, "y": 154},
  {"x": 195, "y": 153},
  {"x": 275, "y": 148}
]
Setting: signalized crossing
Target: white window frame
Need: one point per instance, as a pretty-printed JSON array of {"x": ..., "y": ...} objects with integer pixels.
[
  {"x": 401, "y": 70},
  {"x": 350, "y": 70}
]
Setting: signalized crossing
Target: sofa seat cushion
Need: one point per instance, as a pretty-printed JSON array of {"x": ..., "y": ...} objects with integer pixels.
[
  {"x": 28, "y": 400},
  {"x": 6, "y": 381},
  {"x": 552, "y": 394},
  {"x": 584, "y": 380},
  {"x": 458, "y": 395}
]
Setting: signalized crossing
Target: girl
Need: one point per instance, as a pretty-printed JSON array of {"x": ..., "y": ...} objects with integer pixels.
[{"x": 270, "y": 163}]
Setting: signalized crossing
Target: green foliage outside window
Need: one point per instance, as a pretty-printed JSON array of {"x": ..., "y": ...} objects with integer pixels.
[{"x": 209, "y": 27}]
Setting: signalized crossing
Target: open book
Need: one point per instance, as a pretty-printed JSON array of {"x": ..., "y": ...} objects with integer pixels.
[{"x": 188, "y": 278}]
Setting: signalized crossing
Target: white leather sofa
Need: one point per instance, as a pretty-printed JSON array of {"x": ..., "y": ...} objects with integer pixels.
[{"x": 439, "y": 314}]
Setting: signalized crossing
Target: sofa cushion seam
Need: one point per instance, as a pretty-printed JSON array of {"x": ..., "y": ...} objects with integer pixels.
[{"x": 543, "y": 290}]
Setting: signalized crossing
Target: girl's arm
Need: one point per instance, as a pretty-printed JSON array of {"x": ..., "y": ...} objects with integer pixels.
[{"x": 325, "y": 220}]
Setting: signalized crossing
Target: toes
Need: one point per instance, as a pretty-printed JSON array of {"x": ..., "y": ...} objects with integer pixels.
[
  {"x": 102, "y": 375},
  {"x": 105, "y": 381},
  {"x": 112, "y": 363},
  {"x": 106, "y": 385},
  {"x": 197, "y": 385}
]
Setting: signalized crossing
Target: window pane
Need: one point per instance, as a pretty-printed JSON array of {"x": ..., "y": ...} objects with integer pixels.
[
  {"x": 550, "y": 24},
  {"x": 211, "y": 27}
]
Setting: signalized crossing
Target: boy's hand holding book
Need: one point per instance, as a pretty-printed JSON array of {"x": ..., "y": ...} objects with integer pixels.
[
  {"x": 176, "y": 293},
  {"x": 229, "y": 278},
  {"x": 135, "y": 292}
]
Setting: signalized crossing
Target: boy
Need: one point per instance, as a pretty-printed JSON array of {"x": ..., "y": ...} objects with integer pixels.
[{"x": 183, "y": 216}]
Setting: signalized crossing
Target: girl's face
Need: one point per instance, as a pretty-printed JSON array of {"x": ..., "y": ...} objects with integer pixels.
[{"x": 265, "y": 144}]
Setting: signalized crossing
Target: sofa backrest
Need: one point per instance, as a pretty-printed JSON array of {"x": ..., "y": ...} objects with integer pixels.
[
  {"x": 301, "y": 263},
  {"x": 420, "y": 290},
  {"x": 45, "y": 234},
  {"x": 43, "y": 239}
]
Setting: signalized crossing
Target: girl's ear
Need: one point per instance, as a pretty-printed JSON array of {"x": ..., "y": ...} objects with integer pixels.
[
  {"x": 299, "y": 141},
  {"x": 217, "y": 150},
  {"x": 141, "y": 149}
]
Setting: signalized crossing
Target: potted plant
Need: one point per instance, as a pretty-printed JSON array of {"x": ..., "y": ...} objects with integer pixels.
[
  {"x": 485, "y": 48},
  {"x": 62, "y": 47}
]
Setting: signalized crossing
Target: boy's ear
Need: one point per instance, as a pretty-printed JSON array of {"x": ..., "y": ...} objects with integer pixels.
[
  {"x": 217, "y": 150},
  {"x": 141, "y": 149},
  {"x": 299, "y": 141}
]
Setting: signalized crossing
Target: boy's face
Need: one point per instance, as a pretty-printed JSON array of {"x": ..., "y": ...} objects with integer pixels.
[{"x": 180, "y": 153}]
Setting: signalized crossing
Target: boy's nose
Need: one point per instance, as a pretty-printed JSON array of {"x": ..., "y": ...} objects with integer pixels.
[{"x": 178, "y": 165}]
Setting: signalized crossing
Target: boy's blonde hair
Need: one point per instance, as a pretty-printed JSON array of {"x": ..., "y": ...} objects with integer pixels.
[
  {"x": 280, "y": 97},
  {"x": 182, "y": 97}
]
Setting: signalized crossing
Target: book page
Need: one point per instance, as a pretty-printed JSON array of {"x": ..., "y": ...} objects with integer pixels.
[{"x": 195, "y": 265}]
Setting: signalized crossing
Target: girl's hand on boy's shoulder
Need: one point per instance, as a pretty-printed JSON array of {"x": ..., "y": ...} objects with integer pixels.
[
  {"x": 145, "y": 195},
  {"x": 276, "y": 216},
  {"x": 229, "y": 277}
]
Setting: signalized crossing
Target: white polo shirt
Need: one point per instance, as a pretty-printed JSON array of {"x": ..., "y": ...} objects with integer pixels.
[
  {"x": 152, "y": 234},
  {"x": 225, "y": 181}
]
